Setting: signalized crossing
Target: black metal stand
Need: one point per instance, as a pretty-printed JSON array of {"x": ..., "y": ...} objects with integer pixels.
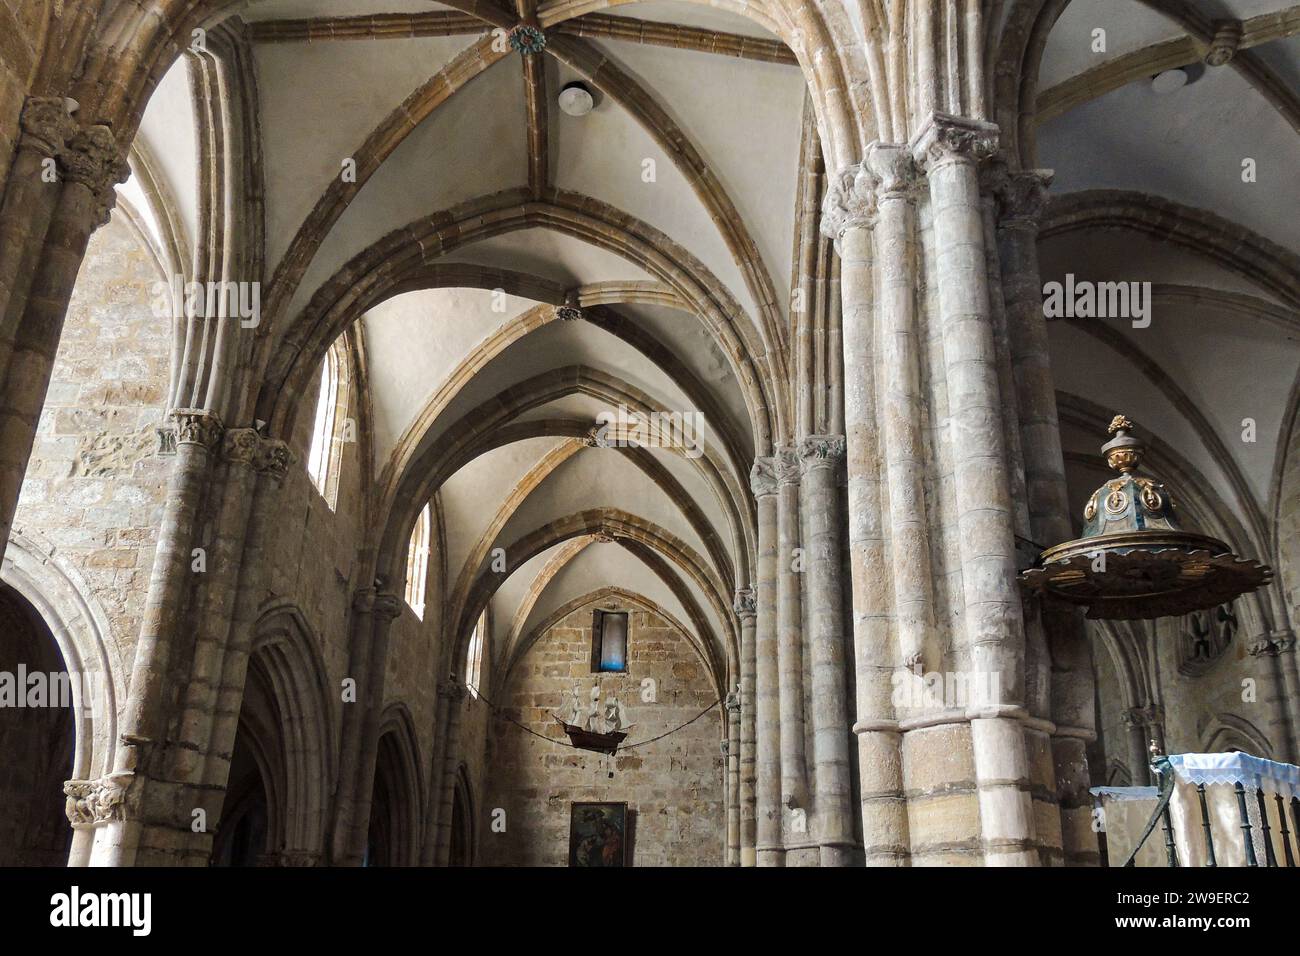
[
  {"x": 1286, "y": 834},
  {"x": 1245, "y": 824},
  {"x": 1205, "y": 825}
]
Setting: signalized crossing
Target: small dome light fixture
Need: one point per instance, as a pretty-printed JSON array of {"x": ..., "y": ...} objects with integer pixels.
[
  {"x": 1168, "y": 81},
  {"x": 576, "y": 99}
]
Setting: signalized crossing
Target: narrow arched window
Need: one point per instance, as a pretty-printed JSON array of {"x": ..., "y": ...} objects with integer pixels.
[
  {"x": 417, "y": 563},
  {"x": 474, "y": 657},
  {"x": 325, "y": 458}
]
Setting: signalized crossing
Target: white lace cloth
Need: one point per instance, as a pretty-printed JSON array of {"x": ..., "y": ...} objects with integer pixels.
[
  {"x": 1250, "y": 772},
  {"x": 1124, "y": 812},
  {"x": 1125, "y": 793}
]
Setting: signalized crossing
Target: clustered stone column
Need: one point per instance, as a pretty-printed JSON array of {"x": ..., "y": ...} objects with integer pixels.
[
  {"x": 950, "y": 149},
  {"x": 1283, "y": 688},
  {"x": 453, "y": 692},
  {"x": 801, "y": 850},
  {"x": 373, "y": 612},
  {"x": 1021, "y": 197},
  {"x": 732, "y": 743},
  {"x": 793, "y": 655},
  {"x": 935, "y": 504},
  {"x": 39, "y": 271},
  {"x": 746, "y": 608},
  {"x": 1142, "y": 725},
  {"x": 822, "y": 457},
  {"x": 174, "y": 757},
  {"x": 848, "y": 215},
  {"x": 769, "y": 843}
]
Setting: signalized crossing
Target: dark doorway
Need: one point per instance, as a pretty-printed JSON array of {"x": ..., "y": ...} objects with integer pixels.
[{"x": 37, "y": 738}]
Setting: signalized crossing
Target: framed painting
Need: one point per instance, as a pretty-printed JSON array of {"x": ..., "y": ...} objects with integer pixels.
[{"x": 599, "y": 835}]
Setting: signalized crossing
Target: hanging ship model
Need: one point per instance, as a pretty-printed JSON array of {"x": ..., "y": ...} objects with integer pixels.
[{"x": 600, "y": 728}]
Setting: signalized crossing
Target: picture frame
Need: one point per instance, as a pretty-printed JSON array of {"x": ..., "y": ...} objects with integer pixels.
[{"x": 600, "y": 834}]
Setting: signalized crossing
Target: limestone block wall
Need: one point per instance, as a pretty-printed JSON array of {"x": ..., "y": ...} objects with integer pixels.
[
  {"x": 312, "y": 549},
  {"x": 673, "y": 787},
  {"x": 1288, "y": 535},
  {"x": 95, "y": 485},
  {"x": 22, "y": 36},
  {"x": 475, "y": 724},
  {"x": 313, "y": 562},
  {"x": 412, "y": 677}
]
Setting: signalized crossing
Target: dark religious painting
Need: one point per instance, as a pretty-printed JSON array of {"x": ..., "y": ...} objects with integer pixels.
[{"x": 598, "y": 835}]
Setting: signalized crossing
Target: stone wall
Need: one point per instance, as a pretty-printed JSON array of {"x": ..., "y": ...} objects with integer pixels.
[
  {"x": 95, "y": 485},
  {"x": 22, "y": 35},
  {"x": 673, "y": 787},
  {"x": 1288, "y": 530},
  {"x": 314, "y": 562}
]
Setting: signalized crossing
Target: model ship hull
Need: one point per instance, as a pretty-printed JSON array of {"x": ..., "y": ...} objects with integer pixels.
[{"x": 587, "y": 740}]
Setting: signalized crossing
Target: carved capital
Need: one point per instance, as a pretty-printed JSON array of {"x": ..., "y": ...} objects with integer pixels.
[
  {"x": 850, "y": 202},
  {"x": 94, "y": 802},
  {"x": 295, "y": 858},
  {"x": 46, "y": 125},
  {"x": 240, "y": 445},
  {"x": 893, "y": 171},
  {"x": 821, "y": 451},
  {"x": 387, "y": 605},
  {"x": 273, "y": 459},
  {"x": 1144, "y": 718},
  {"x": 946, "y": 139},
  {"x": 1264, "y": 647},
  {"x": 196, "y": 426},
  {"x": 745, "y": 603},
  {"x": 763, "y": 477},
  {"x": 91, "y": 160},
  {"x": 788, "y": 466},
  {"x": 1021, "y": 196},
  {"x": 1271, "y": 645},
  {"x": 1224, "y": 43},
  {"x": 363, "y": 600},
  {"x": 451, "y": 690},
  {"x": 732, "y": 703}
]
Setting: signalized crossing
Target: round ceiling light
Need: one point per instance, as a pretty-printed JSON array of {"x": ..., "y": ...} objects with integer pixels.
[
  {"x": 576, "y": 99},
  {"x": 1169, "y": 81}
]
